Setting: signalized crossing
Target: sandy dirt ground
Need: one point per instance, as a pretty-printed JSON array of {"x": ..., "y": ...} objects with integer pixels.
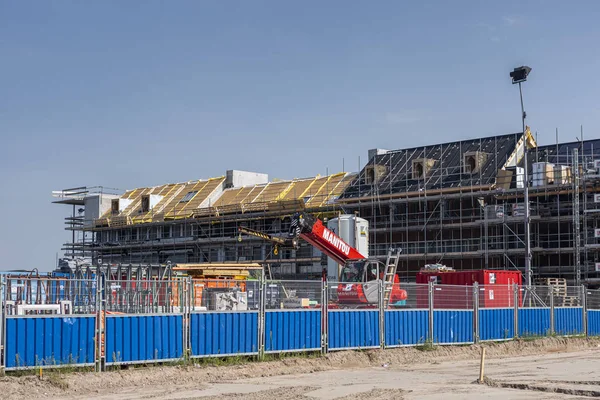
[{"x": 552, "y": 368}]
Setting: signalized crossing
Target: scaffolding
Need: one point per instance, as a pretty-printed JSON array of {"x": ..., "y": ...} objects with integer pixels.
[
  {"x": 199, "y": 221},
  {"x": 458, "y": 203},
  {"x": 473, "y": 218}
]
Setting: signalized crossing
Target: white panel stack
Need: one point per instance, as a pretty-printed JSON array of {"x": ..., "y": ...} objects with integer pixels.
[
  {"x": 542, "y": 174},
  {"x": 354, "y": 231},
  {"x": 520, "y": 177},
  {"x": 234, "y": 178},
  {"x": 562, "y": 175}
]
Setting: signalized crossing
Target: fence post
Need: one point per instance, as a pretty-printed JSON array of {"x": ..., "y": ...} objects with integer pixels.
[
  {"x": 430, "y": 301},
  {"x": 516, "y": 306},
  {"x": 551, "y": 309},
  {"x": 324, "y": 315},
  {"x": 2, "y": 324},
  {"x": 584, "y": 309},
  {"x": 103, "y": 289},
  {"x": 476, "y": 312},
  {"x": 381, "y": 314},
  {"x": 261, "y": 317},
  {"x": 187, "y": 316},
  {"x": 98, "y": 334}
]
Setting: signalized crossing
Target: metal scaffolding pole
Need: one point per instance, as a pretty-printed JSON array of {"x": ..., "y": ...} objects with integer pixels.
[{"x": 576, "y": 218}]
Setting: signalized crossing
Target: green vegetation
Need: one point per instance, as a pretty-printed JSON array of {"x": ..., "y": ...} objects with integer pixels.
[{"x": 426, "y": 345}]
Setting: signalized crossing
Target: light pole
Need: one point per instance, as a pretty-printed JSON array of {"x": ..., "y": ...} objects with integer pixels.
[{"x": 519, "y": 75}]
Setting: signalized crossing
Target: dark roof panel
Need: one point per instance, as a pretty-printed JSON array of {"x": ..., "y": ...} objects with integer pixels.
[
  {"x": 562, "y": 153},
  {"x": 446, "y": 170}
]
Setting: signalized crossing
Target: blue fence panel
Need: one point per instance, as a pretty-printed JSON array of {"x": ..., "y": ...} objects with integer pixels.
[
  {"x": 49, "y": 340},
  {"x": 406, "y": 327},
  {"x": 293, "y": 330},
  {"x": 593, "y": 322},
  {"x": 143, "y": 338},
  {"x": 353, "y": 329},
  {"x": 452, "y": 326},
  {"x": 224, "y": 333},
  {"x": 496, "y": 323},
  {"x": 534, "y": 321},
  {"x": 568, "y": 321}
]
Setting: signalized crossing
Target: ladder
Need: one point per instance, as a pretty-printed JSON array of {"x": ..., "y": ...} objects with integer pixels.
[{"x": 391, "y": 266}]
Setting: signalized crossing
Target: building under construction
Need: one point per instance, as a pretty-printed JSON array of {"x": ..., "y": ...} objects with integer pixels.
[
  {"x": 198, "y": 221},
  {"x": 460, "y": 204}
]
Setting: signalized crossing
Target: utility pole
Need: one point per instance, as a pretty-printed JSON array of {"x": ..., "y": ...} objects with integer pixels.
[
  {"x": 526, "y": 197},
  {"x": 519, "y": 75}
]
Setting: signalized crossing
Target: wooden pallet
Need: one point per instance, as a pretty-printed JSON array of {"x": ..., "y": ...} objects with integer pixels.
[
  {"x": 562, "y": 282},
  {"x": 559, "y": 292},
  {"x": 569, "y": 301}
]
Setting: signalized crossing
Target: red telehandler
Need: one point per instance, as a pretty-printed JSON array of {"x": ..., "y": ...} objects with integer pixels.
[{"x": 359, "y": 280}]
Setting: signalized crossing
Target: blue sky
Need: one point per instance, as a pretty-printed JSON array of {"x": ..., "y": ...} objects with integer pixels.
[{"x": 129, "y": 93}]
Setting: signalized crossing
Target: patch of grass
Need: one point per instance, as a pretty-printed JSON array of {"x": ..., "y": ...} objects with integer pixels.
[
  {"x": 492, "y": 343},
  {"x": 283, "y": 356},
  {"x": 426, "y": 345},
  {"x": 22, "y": 372},
  {"x": 60, "y": 370},
  {"x": 221, "y": 361},
  {"x": 532, "y": 337}
]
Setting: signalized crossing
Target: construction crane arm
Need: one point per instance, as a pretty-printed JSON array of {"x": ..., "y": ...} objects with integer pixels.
[
  {"x": 279, "y": 241},
  {"x": 314, "y": 232}
]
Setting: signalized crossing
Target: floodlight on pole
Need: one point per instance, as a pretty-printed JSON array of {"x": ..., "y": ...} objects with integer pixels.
[{"x": 519, "y": 75}]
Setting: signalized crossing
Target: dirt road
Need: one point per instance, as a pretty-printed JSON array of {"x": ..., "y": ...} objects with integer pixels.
[{"x": 552, "y": 368}]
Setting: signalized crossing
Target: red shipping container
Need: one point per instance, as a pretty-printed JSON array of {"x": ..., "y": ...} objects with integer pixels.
[{"x": 496, "y": 288}]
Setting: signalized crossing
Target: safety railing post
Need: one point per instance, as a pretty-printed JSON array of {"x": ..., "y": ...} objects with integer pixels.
[
  {"x": 98, "y": 334},
  {"x": 261, "y": 317},
  {"x": 431, "y": 321},
  {"x": 187, "y": 316},
  {"x": 584, "y": 309},
  {"x": 476, "y": 312},
  {"x": 551, "y": 309},
  {"x": 102, "y": 286},
  {"x": 516, "y": 308}
]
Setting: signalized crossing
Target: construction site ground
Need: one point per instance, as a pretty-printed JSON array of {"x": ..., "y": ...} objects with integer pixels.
[{"x": 550, "y": 368}]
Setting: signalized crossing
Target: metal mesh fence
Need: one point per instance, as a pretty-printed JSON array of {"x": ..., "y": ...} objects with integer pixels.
[
  {"x": 497, "y": 296},
  {"x": 405, "y": 295},
  {"x": 569, "y": 296},
  {"x": 34, "y": 295},
  {"x": 293, "y": 294},
  {"x": 534, "y": 296},
  {"x": 593, "y": 299},
  {"x": 225, "y": 295},
  {"x": 44, "y": 295},
  {"x": 545, "y": 296},
  {"x": 144, "y": 296},
  {"x": 453, "y": 297},
  {"x": 353, "y": 295}
]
